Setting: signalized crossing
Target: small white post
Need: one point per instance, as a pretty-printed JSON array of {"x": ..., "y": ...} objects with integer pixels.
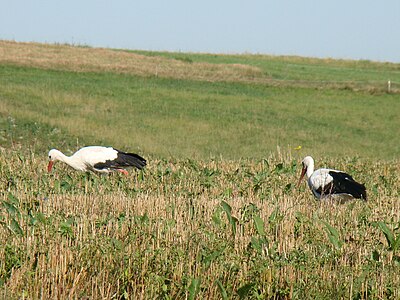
[{"x": 388, "y": 86}]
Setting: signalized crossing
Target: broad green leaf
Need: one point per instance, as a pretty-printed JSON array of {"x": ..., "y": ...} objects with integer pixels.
[
  {"x": 11, "y": 209},
  {"x": 332, "y": 230},
  {"x": 259, "y": 224},
  {"x": 375, "y": 255},
  {"x": 335, "y": 241},
  {"x": 210, "y": 258},
  {"x": 14, "y": 200},
  {"x": 227, "y": 208},
  {"x": 232, "y": 220},
  {"x": 278, "y": 168},
  {"x": 333, "y": 235},
  {"x": 256, "y": 244},
  {"x": 273, "y": 215},
  {"x": 194, "y": 288},
  {"x": 15, "y": 227},
  {"x": 244, "y": 290},
  {"x": 222, "y": 290},
  {"x": 140, "y": 176},
  {"x": 388, "y": 234},
  {"x": 216, "y": 217}
]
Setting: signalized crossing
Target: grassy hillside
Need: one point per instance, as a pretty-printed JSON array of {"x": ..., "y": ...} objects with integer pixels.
[
  {"x": 195, "y": 108},
  {"x": 216, "y": 214},
  {"x": 299, "y": 69}
]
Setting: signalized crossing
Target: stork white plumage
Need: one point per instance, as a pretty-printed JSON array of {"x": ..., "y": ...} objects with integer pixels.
[
  {"x": 329, "y": 183},
  {"x": 98, "y": 159}
]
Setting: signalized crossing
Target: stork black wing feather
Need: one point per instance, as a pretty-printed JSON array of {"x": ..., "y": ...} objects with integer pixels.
[
  {"x": 345, "y": 184},
  {"x": 123, "y": 160}
]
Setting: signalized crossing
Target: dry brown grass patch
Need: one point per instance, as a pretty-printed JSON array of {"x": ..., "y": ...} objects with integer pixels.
[{"x": 80, "y": 59}]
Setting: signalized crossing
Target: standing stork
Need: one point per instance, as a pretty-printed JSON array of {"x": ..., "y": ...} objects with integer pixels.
[
  {"x": 329, "y": 183},
  {"x": 98, "y": 159}
]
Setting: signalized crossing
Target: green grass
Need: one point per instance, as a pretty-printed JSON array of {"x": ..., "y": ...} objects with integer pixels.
[
  {"x": 298, "y": 68},
  {"x": 183, "y": 118}
]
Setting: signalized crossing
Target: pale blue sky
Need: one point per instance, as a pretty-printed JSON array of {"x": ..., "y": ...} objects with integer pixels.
[{"x": 350, "y": 29}]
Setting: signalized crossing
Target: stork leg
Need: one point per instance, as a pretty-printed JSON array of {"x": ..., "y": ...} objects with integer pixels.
[{"x": 123, "y": 171}]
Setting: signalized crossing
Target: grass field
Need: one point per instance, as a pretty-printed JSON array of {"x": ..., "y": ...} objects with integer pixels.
[
  {"x": 196, "y": 109},
  {"x": 216, "y": 214}
]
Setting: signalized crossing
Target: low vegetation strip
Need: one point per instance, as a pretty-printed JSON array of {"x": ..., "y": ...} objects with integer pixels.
[{"x": 186, "y": 228}]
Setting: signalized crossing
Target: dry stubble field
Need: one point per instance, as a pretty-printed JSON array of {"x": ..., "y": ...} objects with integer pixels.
[{"x": 182, "y": 228}]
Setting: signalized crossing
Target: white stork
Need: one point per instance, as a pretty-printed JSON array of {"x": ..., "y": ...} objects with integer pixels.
[
  {"x": 98, "y": 159},
  {"x": 329, "y": 183}
]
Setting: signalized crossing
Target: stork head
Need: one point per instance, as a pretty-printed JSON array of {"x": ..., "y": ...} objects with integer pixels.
[
  {"x": 308, "y": 162},
  {"x": 54, "y": 155}
]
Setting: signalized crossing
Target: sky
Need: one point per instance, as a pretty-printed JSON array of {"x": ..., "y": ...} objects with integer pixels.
[{"x": 344, "y": 29}]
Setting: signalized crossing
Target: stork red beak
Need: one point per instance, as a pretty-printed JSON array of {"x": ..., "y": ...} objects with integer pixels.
[
  {"x": 303, "y": 172},
  {"x": 50, "y": 166}
]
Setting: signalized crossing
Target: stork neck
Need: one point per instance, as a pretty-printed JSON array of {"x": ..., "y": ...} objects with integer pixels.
[
  {"x": 62, "y": 157},
  {"x": 310, "y": 169},
  {"x": 69, "y": 160}
]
